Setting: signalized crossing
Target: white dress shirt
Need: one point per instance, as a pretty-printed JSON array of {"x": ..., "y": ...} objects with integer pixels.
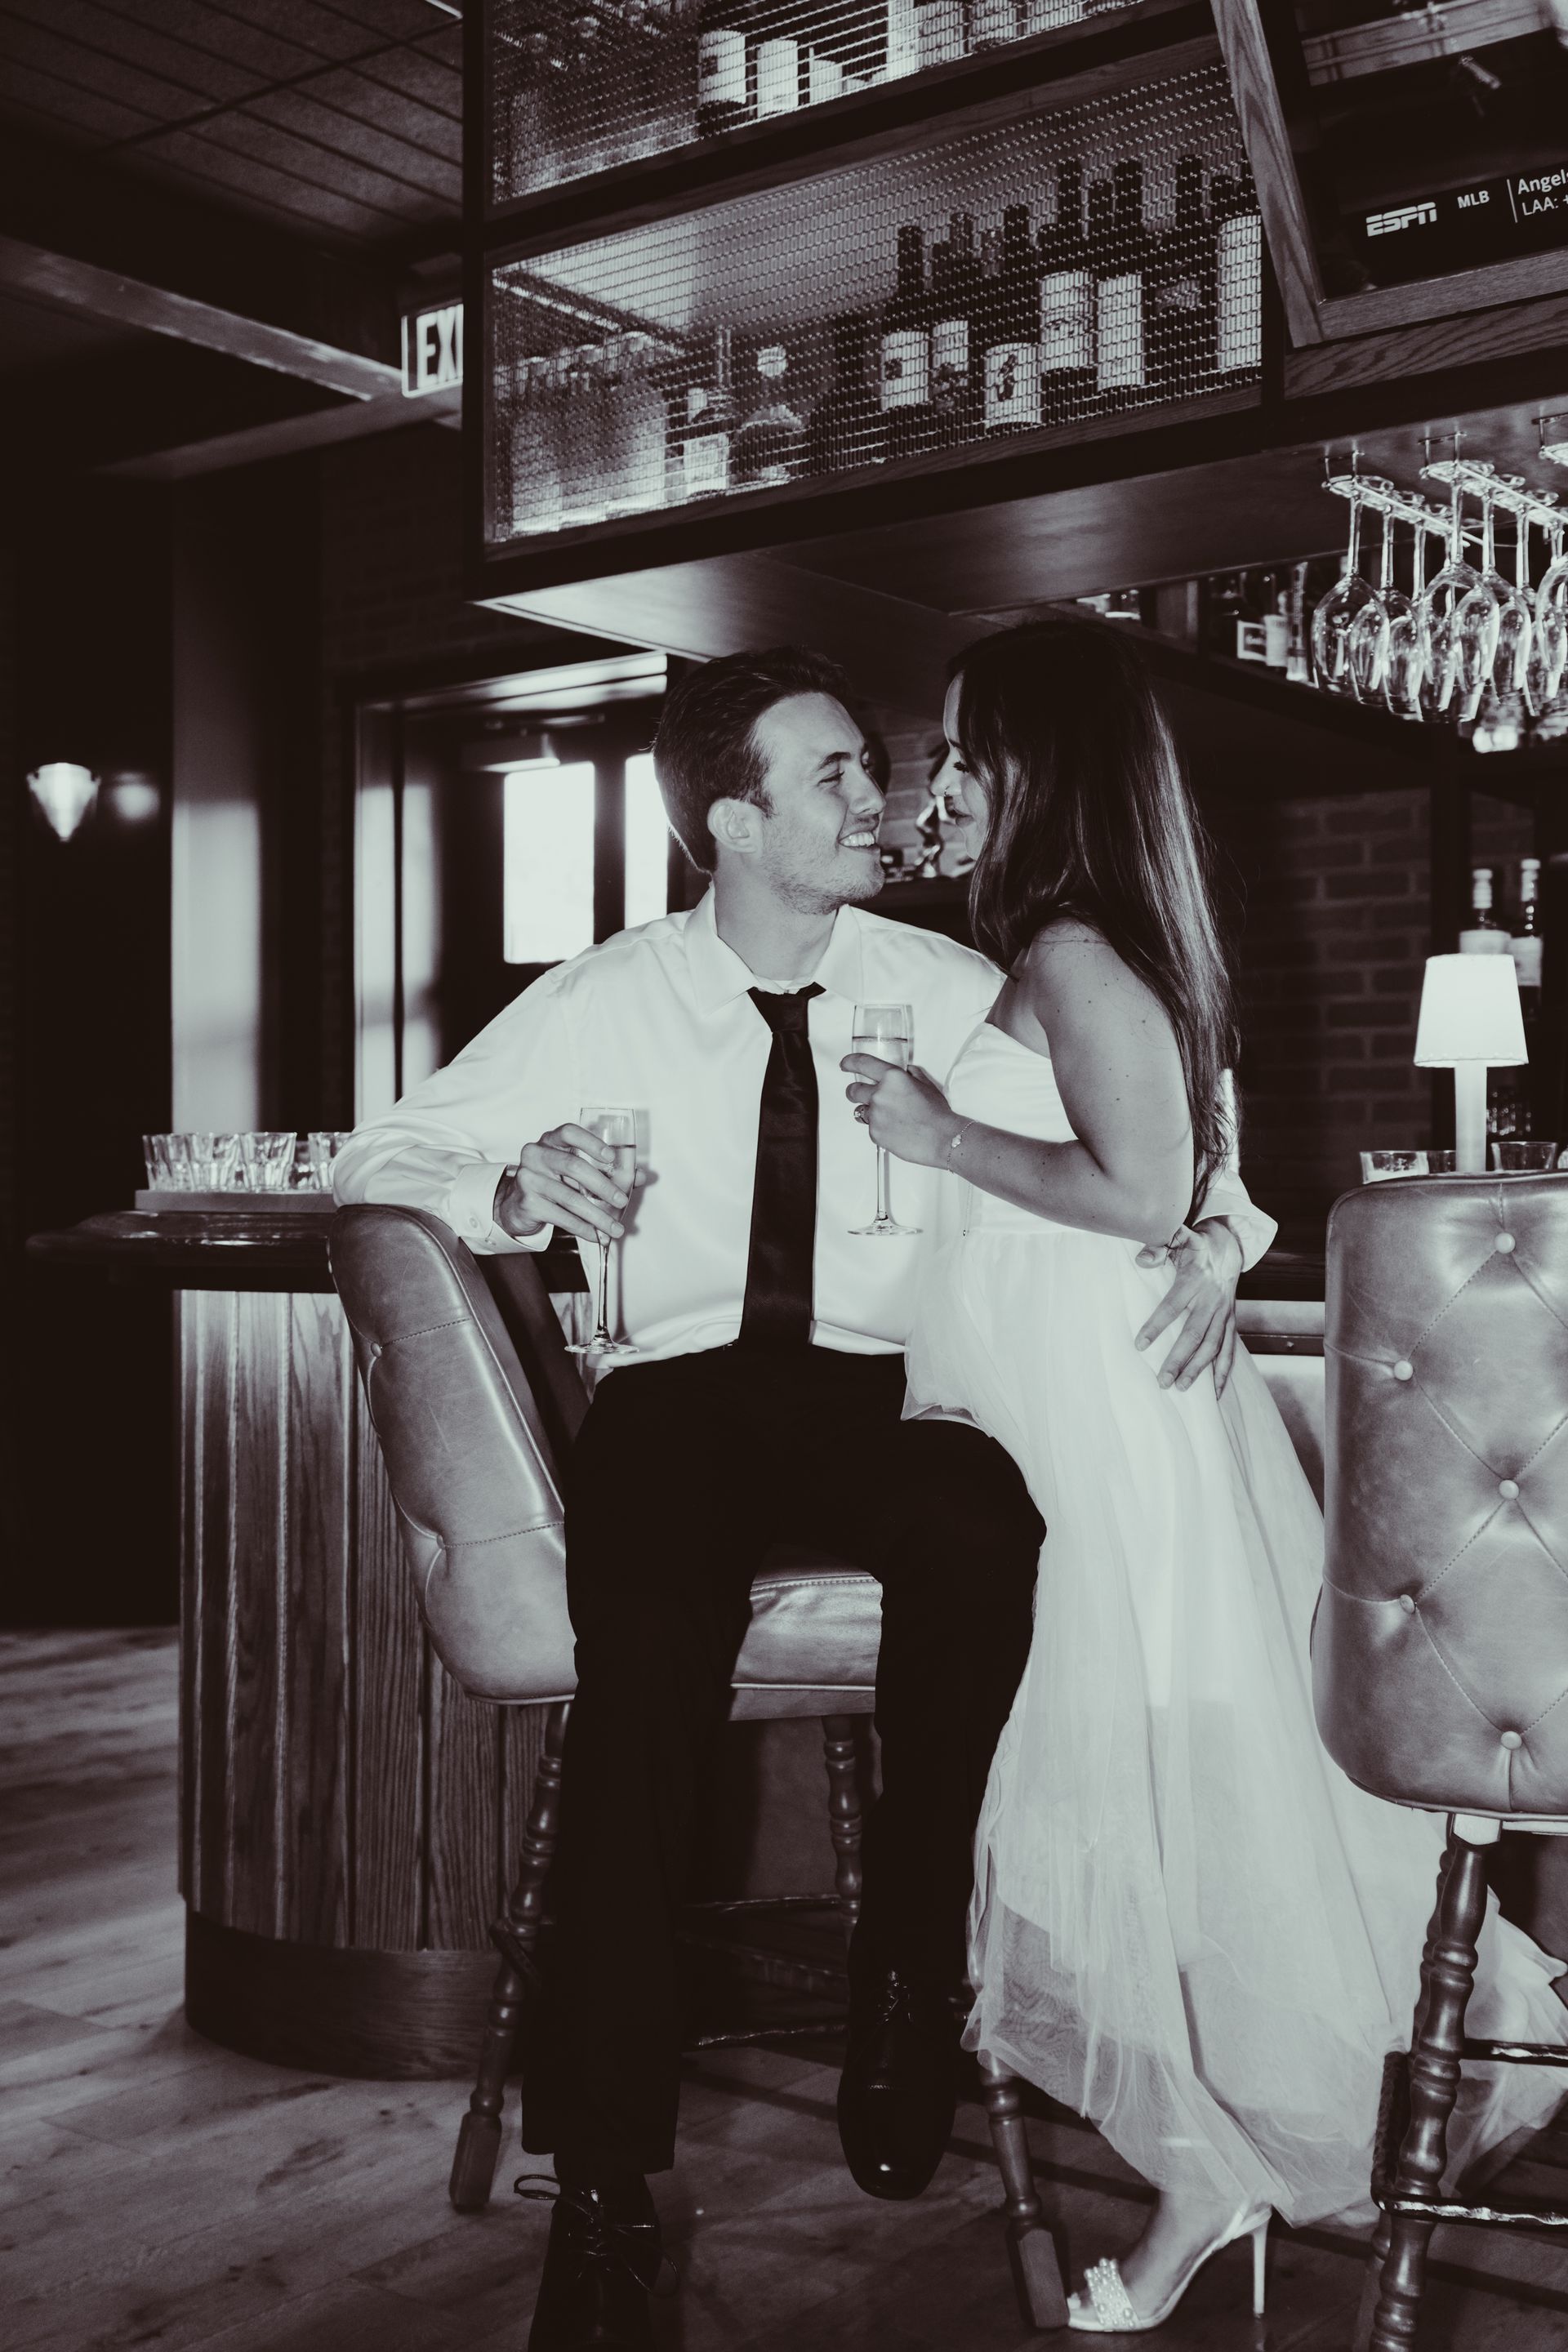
[{"x": 659, "y": 1020}]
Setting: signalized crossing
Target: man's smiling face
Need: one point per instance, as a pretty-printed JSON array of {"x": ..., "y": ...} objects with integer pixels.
[{"x": 818, "y": 838}]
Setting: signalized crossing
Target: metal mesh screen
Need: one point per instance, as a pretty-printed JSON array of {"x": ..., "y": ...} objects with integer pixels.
[
  {"x": 578, "y": 86},
  {"x": 1048, "y": 272}
]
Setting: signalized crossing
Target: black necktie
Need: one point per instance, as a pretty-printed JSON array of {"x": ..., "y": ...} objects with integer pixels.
[{"x": 777, "y": 1309}]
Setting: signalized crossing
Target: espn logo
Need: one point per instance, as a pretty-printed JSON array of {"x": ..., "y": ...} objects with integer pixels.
[{"x": 1403, "y": 216}]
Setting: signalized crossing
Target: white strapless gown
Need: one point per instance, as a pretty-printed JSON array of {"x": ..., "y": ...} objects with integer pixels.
[{"x": 1188, "y": 1924}]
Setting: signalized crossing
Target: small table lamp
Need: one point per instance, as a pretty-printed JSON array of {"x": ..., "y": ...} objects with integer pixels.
[{"x": 1470, "y": 1022}]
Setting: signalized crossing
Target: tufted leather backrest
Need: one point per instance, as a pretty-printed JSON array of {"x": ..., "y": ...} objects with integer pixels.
[
  {"x": 474, "y": 1402},
  {"x": 1440, "y": 1651}
]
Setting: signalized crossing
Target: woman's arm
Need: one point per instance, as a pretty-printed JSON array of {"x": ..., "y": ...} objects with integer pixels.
[{"x": 1129, "y": 1170}]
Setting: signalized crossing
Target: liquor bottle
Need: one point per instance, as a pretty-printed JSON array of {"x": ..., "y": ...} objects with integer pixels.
[
  {"x": 1012, "y": 378},
  {"x": 1222, "y": 611},
  {"x": 636, "y": 430},
  {"x": 710, "y": 423},
  {"x": 1121, "y": 372},
  {"x": 577, "y": 416},
  {"x": 1297, "y": 659},
  {"x": 1181, "y": 290},
  {"x": 993, "y": 24},
  {"x": 845, "y": 428},
  {"x": 1525, "y": 942},
  {"x": 1484, "y": 935},
  {"x": 1276, "y": 622},
  {"x": 1238, "y": 275},
  {"x": 769, "y": 447},
  {"x": 778, "y": 76},
  {"x": 942, "y": 31},
  {"x": 1251, "y": 634},
  {"x": 906, "y": 352},
  {"x": 533, "y": 472},
  {"x": 723, "y": 95},
  {"x": 954, "y": 283},
  {"x": 1067, "y": 305}
]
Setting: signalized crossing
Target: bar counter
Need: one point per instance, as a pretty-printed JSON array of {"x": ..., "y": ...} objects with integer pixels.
[{"x": 349, "y": 1819}]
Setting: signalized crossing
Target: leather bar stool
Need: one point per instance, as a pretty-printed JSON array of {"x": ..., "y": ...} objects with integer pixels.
[
  {"x": 475, "y": 1401},
  {"x": 1440, "y": 1649}
]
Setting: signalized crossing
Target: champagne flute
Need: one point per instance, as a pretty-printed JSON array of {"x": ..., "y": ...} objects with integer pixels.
[
  {"x": 888, "y": 1031},
  {"x": 618, "y": 1129}
]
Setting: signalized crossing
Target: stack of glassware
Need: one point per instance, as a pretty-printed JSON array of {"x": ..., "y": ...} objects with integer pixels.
[
  {"x": 1477, "y": 647},
  {"x": 266, "y": 1160}
]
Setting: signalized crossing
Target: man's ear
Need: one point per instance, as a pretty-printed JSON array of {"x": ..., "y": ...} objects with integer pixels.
[{"x": 736, "y": 825}]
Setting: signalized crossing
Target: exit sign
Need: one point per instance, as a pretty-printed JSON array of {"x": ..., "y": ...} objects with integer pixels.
[{"x": 432, "y": 350}]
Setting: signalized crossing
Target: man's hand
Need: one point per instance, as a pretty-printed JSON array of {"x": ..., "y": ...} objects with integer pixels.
[
  {"x": 562, "y": 1180},
  {"x": 1208, "y": 1267}
]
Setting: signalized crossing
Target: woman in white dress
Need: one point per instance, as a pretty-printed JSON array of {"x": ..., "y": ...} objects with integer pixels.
[{"x": 1188, "y": 1924}]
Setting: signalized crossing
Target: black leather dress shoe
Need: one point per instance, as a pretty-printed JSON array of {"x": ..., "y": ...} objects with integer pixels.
[
  {"x": 605, "y": 2259},
  {"x": 899, "y": 2085}
]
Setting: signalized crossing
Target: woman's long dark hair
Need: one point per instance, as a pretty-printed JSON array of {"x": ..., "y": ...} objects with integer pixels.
[{"x": 1091, "y": 817}]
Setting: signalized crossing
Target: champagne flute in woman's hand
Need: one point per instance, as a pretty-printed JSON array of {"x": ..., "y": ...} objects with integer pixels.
[
  {"x": 888, "y": 1031},
  {"x": 617, "y": 1129}
]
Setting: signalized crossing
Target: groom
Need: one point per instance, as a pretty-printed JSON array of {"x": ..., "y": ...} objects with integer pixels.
[{"x": 764, "y": 1405}]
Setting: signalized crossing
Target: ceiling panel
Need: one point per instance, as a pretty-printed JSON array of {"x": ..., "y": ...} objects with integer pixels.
[{"x": 342, "y": 117}]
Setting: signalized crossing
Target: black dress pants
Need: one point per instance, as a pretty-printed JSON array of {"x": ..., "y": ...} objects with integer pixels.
[{"x": 682, "y": 1477}]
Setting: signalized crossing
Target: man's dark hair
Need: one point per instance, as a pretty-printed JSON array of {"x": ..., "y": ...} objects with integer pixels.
[{"x": 705, "y": 749}]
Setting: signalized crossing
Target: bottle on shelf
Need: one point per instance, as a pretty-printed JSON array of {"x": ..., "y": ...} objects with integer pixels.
[
  {"x": 1298, "y": 656},
  {"x": 712, "y": 419},
  {"x": 1525, "y": 942},
  {"x": 1251, "y": 636},
  {"x": 778, "y": 75},
  {"x": 1067, "y": 305},
  {"x": 1012, "y": 330},
  {"x": 635, "y": 429},
  {"x": 724, "y": 84},
  {"x": 954, "y": 283},
  {"x": 845, "y": 428},
  {"x": 942, "y": 31},
  {"x": 1238, "y": 275},
  {"x": 993, "y": 24},
  {"x": 1181, "y": 296},
  {"x": 577, "y": 416},
  {"x": 1483, "y": 935},
  {"x": 906, "y": 352},
  {"x": 1277, "y": 623},
  {"x": 902, "y": 46},
  {"x": 1222, "y": 611},
  {"x": 1122, "y": 255},
  {"x": 823, "y": 78},
  {"x": 534, "y": 471},
  {"x": 769, "y": 447}
]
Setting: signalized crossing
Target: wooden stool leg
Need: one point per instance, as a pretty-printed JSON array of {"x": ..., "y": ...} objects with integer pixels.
[
  {"x": 1447, "y": 1977},
  {"x": 517, "y": 1936},
  {"x": 1030, "y": 2249},
  {"x": 844, "y": 1811}
]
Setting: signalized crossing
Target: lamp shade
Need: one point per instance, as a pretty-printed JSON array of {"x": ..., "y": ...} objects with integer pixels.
[
  {"x": 1469, "y": 1012},
  {"x": 65, "y": 792}
]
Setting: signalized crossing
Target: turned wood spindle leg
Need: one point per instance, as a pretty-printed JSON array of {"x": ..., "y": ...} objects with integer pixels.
[
  {"x": 1030, "y": 2249},
  {"x": 516, "y": 1936},
  {"x": 844, "y": 1811},
  {"x": 1447, "y": 1976}
]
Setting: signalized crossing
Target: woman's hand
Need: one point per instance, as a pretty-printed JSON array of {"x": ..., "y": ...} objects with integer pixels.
[{"x": 906, "y": 1112}]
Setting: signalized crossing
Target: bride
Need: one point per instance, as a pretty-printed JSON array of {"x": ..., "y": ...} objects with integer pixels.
[{"x": 1188, "y": 1924}]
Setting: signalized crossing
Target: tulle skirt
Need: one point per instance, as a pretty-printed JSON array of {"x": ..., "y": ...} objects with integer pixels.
[{"x": 1188, "y": 1924}]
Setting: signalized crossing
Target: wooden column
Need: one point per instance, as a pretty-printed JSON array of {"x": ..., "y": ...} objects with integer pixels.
[{"x": 351, "y": 1821}]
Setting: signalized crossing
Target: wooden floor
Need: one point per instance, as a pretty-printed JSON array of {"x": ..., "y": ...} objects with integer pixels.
[{"x": 157, "y": 2191}]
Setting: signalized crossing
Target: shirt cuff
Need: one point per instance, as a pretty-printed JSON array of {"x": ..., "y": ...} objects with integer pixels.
[
  {"x": 1253, "y": 1227},
  {"x": 470, "y": 1206}
]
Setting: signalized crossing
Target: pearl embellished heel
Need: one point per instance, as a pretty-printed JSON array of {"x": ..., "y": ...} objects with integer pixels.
[{"x": 1105, "y": 2308}]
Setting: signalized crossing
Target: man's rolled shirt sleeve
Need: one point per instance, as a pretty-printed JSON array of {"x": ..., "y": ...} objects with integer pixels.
[{"x": 446, "y": 1147}]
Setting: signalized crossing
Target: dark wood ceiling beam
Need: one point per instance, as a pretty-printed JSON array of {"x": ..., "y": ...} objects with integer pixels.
[{"x": 219, "y": 453}]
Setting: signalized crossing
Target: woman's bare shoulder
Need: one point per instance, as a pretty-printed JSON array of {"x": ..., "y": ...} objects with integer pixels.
[{"x": 1070, "y": 964}]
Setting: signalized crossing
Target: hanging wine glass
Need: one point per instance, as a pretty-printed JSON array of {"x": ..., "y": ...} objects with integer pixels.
[
  {"x": 1405, "y": 671},
  {"x": 1516, "y": 616},
  {"x": 1366, "y": 640},
  {"x": 1437, "y": 607},
  {"x": 1478, "y": 621},
  {"x": 1336, "y": 612},
  {"x": 1552, "y": 620}
]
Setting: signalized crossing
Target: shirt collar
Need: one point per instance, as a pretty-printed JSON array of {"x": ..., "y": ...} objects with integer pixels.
[{"x": 719, "y": 975}]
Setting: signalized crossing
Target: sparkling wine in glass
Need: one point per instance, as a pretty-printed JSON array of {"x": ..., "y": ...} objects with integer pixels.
[
  {"x": 889, "y": 1032},
  {"x": 618, "y": 1129}
]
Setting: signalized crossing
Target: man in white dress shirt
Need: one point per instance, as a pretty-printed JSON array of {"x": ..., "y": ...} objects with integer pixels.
[{"x": 765, "y": 1404}]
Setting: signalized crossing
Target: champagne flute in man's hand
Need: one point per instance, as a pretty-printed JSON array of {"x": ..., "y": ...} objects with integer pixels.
[
  {"x": 617, "y": 1129},
  {"x": 888, "y": 1031}
]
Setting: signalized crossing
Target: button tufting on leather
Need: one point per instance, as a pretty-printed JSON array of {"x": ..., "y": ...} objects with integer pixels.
[
  {"x": 1505, "y": 1242},
  {"x": 1513, "y": 1739},
  {"x": 1402, "y": 1370},
  {"x": 1508, "y": 1489},
  {"x": 1407, "y": 1603}
]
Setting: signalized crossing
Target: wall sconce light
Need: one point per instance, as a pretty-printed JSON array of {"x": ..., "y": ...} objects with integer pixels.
[{"x": 65, "y": 792}]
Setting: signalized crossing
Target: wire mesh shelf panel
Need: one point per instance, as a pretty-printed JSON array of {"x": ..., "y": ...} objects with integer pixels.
[
  {"x": 579, "y": 86},
  {"x": 1050, "y": 270}
]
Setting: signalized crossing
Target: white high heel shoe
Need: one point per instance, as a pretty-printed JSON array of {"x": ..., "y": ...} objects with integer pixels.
[{"x": 1109, "y": 2309}]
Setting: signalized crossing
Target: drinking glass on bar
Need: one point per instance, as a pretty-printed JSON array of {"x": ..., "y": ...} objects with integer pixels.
[
  {"x": 1534, "y": 1158},
  {"x": 888, "y": 1031},
  {"x": 618, "y": 1129},
  {"x": 1377, "y": 1167},
  {"x": 214, "y": 1159},
  {"x": 266, "y": 1155},
  {"x": 326, "y": 1143}
]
